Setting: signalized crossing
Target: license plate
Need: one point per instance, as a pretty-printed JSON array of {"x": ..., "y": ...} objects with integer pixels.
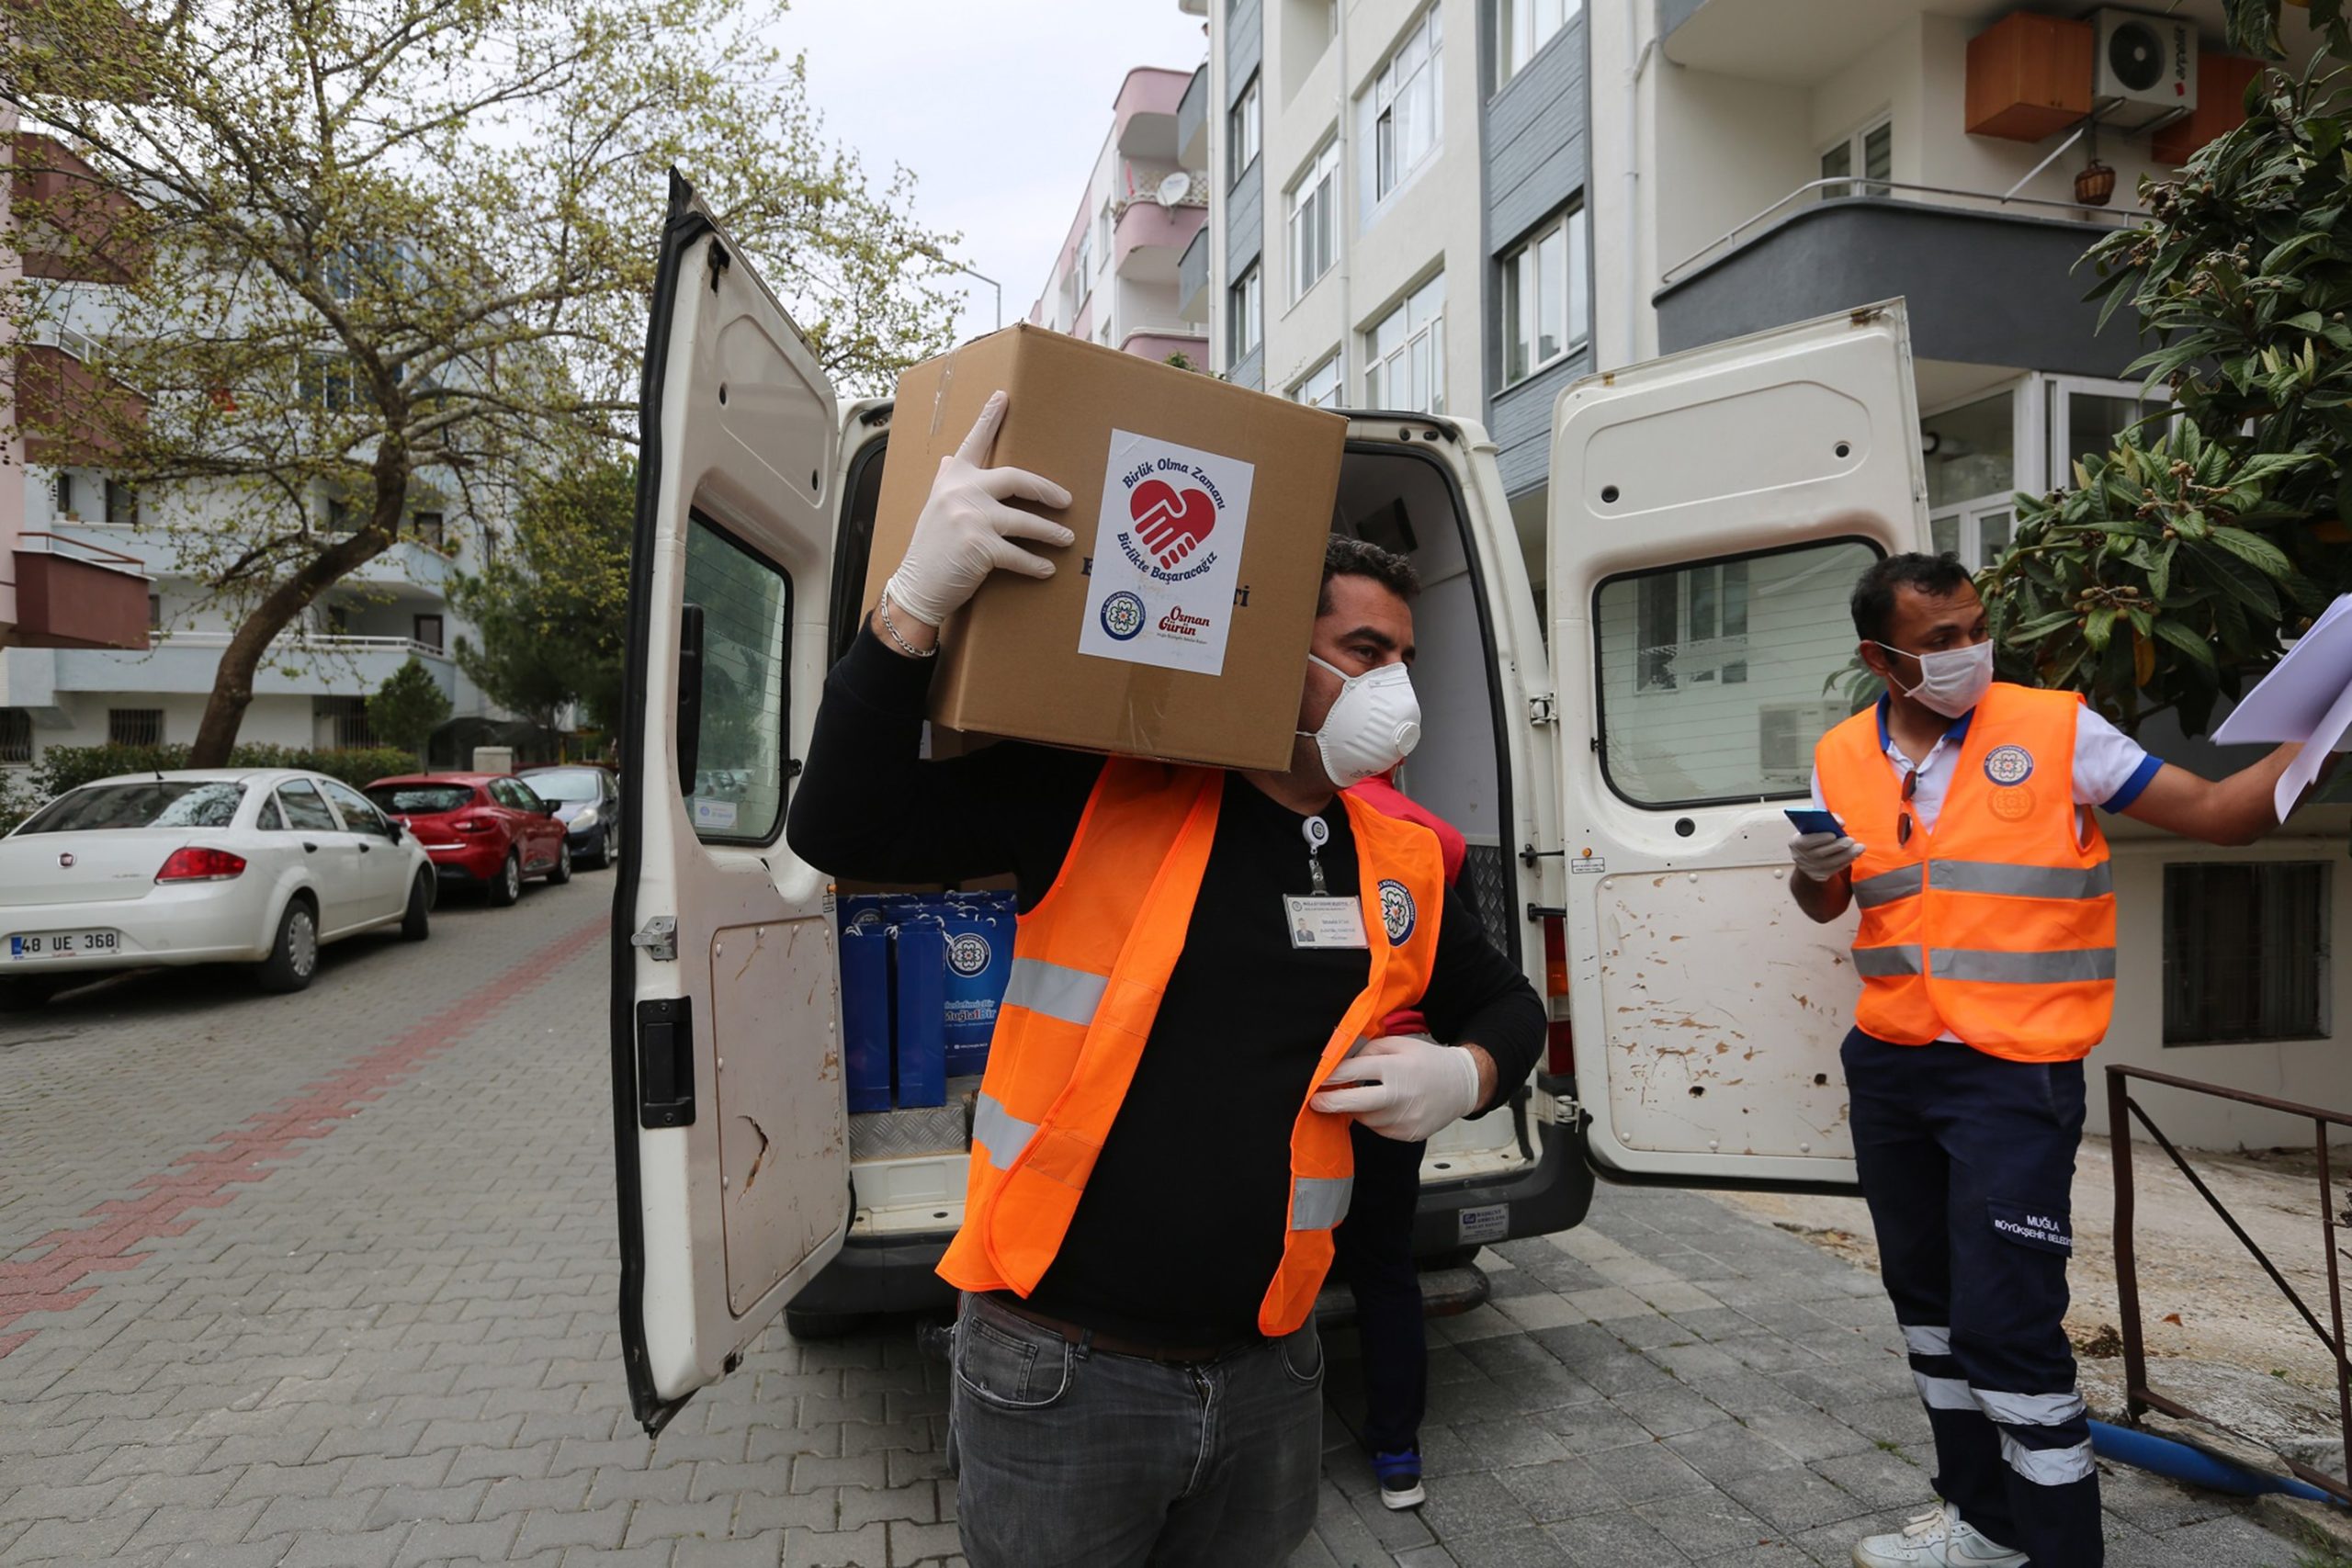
[{"x": 66, "y": 944}]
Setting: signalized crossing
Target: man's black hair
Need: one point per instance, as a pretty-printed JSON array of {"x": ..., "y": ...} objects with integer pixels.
[
  {"x": 1873, "y": 601},
  {"x": 1345, "y": 555}
]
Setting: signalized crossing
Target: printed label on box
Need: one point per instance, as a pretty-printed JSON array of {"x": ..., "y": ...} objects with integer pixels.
[{"x": 1167, "y": 555}]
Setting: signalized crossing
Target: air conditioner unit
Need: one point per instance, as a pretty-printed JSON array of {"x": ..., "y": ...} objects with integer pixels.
[{"x": 2145, "y": 69}]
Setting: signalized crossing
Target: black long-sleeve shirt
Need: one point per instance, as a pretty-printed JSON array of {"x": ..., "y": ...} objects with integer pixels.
[{"x": 1181, "y": 1223}]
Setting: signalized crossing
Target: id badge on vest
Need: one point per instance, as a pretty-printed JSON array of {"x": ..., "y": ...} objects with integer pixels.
[{"x": 1320, "y": 919}]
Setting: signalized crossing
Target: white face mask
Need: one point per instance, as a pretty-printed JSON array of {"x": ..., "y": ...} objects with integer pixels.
[
  {"x": 1375, "y": 723},
  {"x": 1951, "y": 681}
]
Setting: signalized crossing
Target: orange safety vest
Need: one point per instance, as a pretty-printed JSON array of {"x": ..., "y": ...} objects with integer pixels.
[
  {"x": 1999, "y": 924},
  {"x": 1090, "y": 964}
]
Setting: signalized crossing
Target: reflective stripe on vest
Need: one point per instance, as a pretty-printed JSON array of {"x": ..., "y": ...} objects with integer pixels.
[
  {"x": 1005, "y": 1133},
  {"x": 1996, "y": 925},
  {"x": 1071, "y": 995},
  {"x": 1319, "y": 1203}
]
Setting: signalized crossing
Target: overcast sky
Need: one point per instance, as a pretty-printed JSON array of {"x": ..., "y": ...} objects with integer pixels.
[{"x": 999, "y": 108}]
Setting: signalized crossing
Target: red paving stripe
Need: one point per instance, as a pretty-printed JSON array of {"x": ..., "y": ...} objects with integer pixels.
[{"x": 207, "y": 1178}]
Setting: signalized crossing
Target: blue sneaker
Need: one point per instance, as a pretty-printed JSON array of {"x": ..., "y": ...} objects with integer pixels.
[{"x": 1400, "y": 1480}]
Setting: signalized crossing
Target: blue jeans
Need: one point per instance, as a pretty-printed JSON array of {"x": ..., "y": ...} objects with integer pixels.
[
  {"x": 1071, "y": 1457},
  {"x": 1968, "y": 1163}
]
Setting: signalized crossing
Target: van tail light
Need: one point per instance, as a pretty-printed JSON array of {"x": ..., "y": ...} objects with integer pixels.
[
  {"x": 1559, "y": 1035},
  {"x": 193, "y": 864}
]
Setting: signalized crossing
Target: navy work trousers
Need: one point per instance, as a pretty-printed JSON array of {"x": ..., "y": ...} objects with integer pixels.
[
  {"x": 1375, "y": 1256},
  {"x": 1968, "y": 1164}
]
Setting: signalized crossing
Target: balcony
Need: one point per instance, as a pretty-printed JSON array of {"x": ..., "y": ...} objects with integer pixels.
[
  {"x": 70, "y": 594},
  {"x": 186, "y": 663},
  {"x": 1192, "y": 278},
  {"x": 1988, "y": 283},
  {"x": 69, "y": 413},
  {"x": 1144, "y": 115},
  {"x": 409, "y": 570},
  {"x": 71, "y": 229},
  {"x": 1192, "y": 123},
  {"x": 1148, "y": 240}
]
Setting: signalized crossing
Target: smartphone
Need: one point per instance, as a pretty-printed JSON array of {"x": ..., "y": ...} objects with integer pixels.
[{"x": 1809, "y": 820}]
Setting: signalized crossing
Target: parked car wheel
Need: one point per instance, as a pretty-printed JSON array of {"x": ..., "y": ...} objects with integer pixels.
[
  {"x": 294, "y": 956},
  {"x": 417, "y": 924},
  {"x": 23, "y": 996},
  {"x": 562, "y": 872},
  {"x": 507, "y": 887},
  {"x": 608, "y": 851}
]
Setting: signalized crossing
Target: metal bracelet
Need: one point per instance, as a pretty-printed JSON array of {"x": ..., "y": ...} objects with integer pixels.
[{"x": 883, "y": 605}]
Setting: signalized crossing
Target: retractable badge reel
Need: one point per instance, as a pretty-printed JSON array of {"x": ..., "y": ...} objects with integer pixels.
[{"x": 1319, "y": 919}]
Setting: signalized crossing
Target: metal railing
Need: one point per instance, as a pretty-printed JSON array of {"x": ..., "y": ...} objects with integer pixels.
[
  {"x": 83, "y": 551},
  {"x": 1851, "y": 186},
  {"x": 310, "y": 642},
  {"x": 2122, "y": 1110}
]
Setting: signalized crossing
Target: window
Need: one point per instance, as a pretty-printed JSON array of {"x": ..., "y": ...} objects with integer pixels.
[
  {"x": 154, "y": 612},
  {"x": 339, "y": 515},
  {"x": 428, "y": 529},
  {"x": 1241, "y": 133},
  {"x": 147, "y": 802},
  {"x": 1315, "y": 221},
  {"x": 1405, "y": 107},
  {"x": 1545, "y": 304},
  {"x": 738, "y": 745},
  {"x": 1405, "y": 354},
  {"x": 1523, "y": 26},
  {"x": 2245, "y": 951},
  {"x": 63, "y": 498},
  {"x": 269, "y": 819},
  {"x": 1245, "y": 315},
  {"x": 2085, "y": 417},
  {"x": 1081, "y": 275},
  {"x": 428, "y": 630},
  {"x": 15, "y": 736},
  {"x": 341, "y": 723},
  {"x": 1711, "y": 675},
  {"x": 1869, "y": 152},
  {"x": 358, "y": 815},
  {"x": 306, "y": 811},
  {"x": 1320, "y": 385},
  {"x": 122, "y": 502},
  {"x": 134, "y": 726},
  {"x": 1970, "y": 458},
  {"x": 328, "y": 382},
  {"x": 526, "y": 798}
]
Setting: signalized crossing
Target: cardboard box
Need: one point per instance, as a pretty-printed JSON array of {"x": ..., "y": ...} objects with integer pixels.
[{"x": 1177, "y": 625}]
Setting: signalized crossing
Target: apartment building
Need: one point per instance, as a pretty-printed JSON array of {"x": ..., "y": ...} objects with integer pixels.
[
  {"x": 1398, "y": 218},
  {"x": 1762, "y": 162},
  {"x": 1115, "y": 279},
  {"x": 106, "y": 631}
]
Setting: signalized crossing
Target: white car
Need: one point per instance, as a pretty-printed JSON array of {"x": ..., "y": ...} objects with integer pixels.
[{"x": 202, "y": 865}]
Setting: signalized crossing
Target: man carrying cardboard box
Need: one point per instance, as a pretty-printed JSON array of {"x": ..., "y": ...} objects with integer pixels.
[{"x": 1158, "y": 1152}]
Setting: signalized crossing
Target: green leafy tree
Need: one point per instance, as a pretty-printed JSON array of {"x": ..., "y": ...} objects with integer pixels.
[
  {"x": 2167, "y": 575},
  {"x": 367, "y": 252},
  {"x": 409, "y": 709},
  {"x": 552, "y": 610}
]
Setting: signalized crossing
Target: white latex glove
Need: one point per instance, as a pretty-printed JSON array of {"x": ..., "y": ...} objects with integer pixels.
[
  {"x": 966, "y": 530},
  {"x": 1408, "y": 1087},
  {"x": 1823, "y": 855}
]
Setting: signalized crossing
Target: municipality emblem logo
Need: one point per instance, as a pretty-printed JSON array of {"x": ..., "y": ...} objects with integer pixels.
[
  {"x": 2008, "y": 765},
  {"x": 1123, "y": 615},
  {"x": 968, "y": 954},
  {"x": 1396, "y": 911}
]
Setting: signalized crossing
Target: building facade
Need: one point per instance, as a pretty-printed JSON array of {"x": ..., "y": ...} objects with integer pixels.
[
  {"x": 1116, "y": 279},
  {"x": 1398, "y": 217}
]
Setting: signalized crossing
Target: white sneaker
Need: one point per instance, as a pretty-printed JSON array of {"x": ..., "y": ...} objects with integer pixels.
[{"x": 1937, "y": 1539}]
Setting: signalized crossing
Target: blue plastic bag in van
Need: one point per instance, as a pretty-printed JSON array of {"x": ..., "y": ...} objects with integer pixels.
[
  {"x": 919, "y": 944},
  {"x": 980, "y": 959},
  {"x": 865, "y": 1016}
]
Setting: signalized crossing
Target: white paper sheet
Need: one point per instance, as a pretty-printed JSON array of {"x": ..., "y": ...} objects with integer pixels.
[{"x": 2308, "y": 698}]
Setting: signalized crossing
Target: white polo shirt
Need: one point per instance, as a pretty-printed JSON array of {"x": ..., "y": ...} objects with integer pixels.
[{"x": 2111, "y": 768}]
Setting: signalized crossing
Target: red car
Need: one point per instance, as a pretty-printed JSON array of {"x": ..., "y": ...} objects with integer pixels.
[{"x": 483, "y": 829}]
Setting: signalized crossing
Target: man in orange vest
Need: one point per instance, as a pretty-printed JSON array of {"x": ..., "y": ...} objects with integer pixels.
[
  {"x": 1160, "y": 1148},
  {"x": 1986, "y": 952}
]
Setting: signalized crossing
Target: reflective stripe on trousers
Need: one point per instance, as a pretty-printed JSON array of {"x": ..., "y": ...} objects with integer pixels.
[{"x": 1985, "y": 966}]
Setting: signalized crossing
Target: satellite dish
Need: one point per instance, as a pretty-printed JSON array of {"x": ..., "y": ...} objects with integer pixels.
[{"x": 1174, "y": 189}]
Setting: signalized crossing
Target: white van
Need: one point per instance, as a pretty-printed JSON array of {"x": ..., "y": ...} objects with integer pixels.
[{"x": 1620, "y": 781}]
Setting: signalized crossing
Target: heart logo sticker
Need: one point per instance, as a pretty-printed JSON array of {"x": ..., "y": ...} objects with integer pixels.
[{"x": 1170, "y": 524}]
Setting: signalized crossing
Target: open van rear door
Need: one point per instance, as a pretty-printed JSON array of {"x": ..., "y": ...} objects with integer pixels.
[
  {"x": 730, "y": 1120},
  {"x": 1710, "y": 512}
]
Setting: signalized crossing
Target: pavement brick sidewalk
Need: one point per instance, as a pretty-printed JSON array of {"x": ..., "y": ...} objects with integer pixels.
[{"x": 395, "y": 1343}]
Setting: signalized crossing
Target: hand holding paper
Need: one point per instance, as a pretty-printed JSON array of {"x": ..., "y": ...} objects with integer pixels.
[{"x": 2307, "y": 700}]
